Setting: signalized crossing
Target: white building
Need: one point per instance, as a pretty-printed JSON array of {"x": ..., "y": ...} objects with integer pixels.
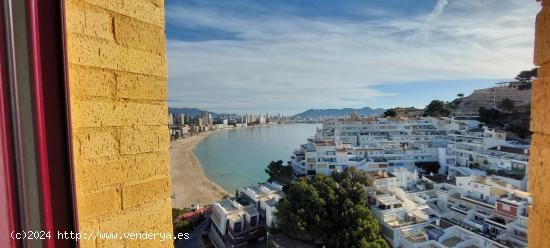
[
  {"x": 374, "y": 144},
  {"x": 234, "y": 225},
  {"x": 443, "y": 211},
  {"x": 265, "y": 196}
]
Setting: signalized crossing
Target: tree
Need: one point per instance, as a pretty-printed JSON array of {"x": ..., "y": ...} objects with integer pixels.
[
  {"x": 278, "y": 172},
  {"x": 527, "y": 76},
  {"x": 330, "y": 210},
  {"x": 506, "y": 104},
  {"x": 489, "y": 116},
  {"x": 177, "y": 212},
  {"x": 180, "y": 226},
  {"x": 437, "y": 108},
  {"x": 390, "y": 113},
  {"x": 299, "y": 212}
]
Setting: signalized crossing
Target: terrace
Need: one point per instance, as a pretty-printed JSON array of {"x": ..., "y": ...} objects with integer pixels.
[
  {"x": 498, "y": 221},
  {"x": 415, "y": 236}
]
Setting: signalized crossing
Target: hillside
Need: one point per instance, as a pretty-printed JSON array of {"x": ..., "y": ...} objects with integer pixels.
[
  {"x": 195, "y": 112},
  {"x": 519, "y": 93},
  {"x": 187, "y": 111},
  {"x": 336, "y": 113}
]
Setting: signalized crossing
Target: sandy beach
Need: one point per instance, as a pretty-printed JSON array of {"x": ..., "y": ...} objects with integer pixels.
[{"x": 189, "y": 183}]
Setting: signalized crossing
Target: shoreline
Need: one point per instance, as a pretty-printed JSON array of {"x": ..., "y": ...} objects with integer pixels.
[{"x": 190, "y": 185}]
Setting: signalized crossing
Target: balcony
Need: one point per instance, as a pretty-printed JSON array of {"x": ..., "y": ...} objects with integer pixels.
[
  {"x": 460, "y": 208},
  {"x": 415, "y": 237},
  {"x": 498, "y": 221},
  {"x": 248, "y": 232}
]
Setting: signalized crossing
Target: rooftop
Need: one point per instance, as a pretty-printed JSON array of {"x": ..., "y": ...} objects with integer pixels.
[
  {"x": 325, "y": 143},
  {"x": 508, "y": 149},
  {"x": 228, "y": 204},
  {"x": 380, "y": 174},
  {"x": 452, "y": 242},
  {"x": 436, "y": 178}
]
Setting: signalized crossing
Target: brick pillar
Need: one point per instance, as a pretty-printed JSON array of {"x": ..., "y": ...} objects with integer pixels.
[
  {"x": 117, "y": 74},
  {"x": 539, "y": 165}
]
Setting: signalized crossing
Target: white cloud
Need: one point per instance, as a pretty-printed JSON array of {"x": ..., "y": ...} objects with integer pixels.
[{"x": 289, "y": 63}]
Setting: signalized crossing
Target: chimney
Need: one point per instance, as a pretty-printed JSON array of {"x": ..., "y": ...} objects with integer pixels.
[
  {"x": 448, "y": 178},
  {"x": 498, "y": 148},
  {"x": 437, "y": 222},
  {"x": 526, "y": 151}
]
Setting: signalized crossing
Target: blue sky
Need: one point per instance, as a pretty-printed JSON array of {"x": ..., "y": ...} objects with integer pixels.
[{"x": 286, "y": 56}]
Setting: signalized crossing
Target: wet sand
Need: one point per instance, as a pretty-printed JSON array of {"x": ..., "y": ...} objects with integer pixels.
[{"x": 189, "y": 183}]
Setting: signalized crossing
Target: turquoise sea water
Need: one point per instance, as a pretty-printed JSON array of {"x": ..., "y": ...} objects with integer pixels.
[{"x": 236, "y": 158}]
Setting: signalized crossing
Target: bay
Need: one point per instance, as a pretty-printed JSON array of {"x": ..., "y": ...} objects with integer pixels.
[{"x": 238, "y": 157}]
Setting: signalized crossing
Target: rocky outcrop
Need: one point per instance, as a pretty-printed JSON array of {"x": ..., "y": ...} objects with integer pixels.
[{"x": 520, "y": 93}]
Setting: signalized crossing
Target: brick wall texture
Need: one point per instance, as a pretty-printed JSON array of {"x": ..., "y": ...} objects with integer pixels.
[
  {"x": 539, "y": 171},
  {"x": 117, "y": 74}
]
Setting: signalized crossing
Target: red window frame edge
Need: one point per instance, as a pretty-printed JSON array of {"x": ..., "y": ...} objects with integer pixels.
[
  {"x": 47, "y": 36},
  {"x": 48, "y": 64},
  {"x": 8, "y": 192}
]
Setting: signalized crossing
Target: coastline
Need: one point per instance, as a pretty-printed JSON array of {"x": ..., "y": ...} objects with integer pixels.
[{"x": 189, "y": 183}]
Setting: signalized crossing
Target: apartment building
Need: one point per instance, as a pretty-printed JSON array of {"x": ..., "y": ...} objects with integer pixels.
[
  {"x": 445, "y": 145},
  {"x": 265, "y": 197},
  {"x": 373, "y": 144},
  {"x": 444, "y": 211},
  {"x": 244, "y": 220},
  {"x": 235, "y": 224},
  {"x": 484, "y": 151}
]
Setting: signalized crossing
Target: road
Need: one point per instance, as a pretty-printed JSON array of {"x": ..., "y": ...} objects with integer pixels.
[{"x": 194, "y": 240}]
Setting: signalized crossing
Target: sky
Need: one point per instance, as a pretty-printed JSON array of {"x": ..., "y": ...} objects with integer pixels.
[{"x": 287, "y": 56}]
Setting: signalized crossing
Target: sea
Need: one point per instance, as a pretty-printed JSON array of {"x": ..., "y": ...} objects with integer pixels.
[{"x": 238, "y": 157}]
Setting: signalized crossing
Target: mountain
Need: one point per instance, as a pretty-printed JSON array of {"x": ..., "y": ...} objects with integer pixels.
[
  {"x": 335, "y": 113},
  {"x": 195, "y": 111},
  {"x": 187, "y": 111}
]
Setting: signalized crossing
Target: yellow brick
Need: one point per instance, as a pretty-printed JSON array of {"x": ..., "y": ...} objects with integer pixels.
[
  {"x": 148, "y": 164},
  {"x": 145, "y": 10},
  {"x": 544, "y": 71},
  {"x": 149, "y": 243},
  {"x": 540, "y": 113},
  {"x": 100, "y": 53},
  {"x": 88, "y": 226},
  {"x": 542, "y": 37},
  {"x": 98, "y": 24},
  {"x": 95, "y": 143},
  {"x": 539, "y": 181},
  {"x": 158, "y": 3},
  {"x": 154, "y": 216},
  {"x": 133, "y": 33},
  {"x": 139, "y": 141},
  {"x": 98, "y": 203},
  {"x": 142, "y": 192},
  {"x": 88, "y": 81},
  {"x": 109, "y": 171},
  {"x": 76, "y": 20},
  {"x": 536, "y": 231},
  {"x": 136, "y": 86},
  {"x": 96, "y": 113},
  {"x": 116, "y": 52},
  {"x": 144, "y": 113},
  {"x": 109, "y": 113}
]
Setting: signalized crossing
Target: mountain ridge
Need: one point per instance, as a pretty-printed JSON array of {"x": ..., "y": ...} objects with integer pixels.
[{"x": 341, "y": 112}]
